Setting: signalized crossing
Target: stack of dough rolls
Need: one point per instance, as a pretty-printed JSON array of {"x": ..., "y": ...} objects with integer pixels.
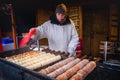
[
  {"x": 44, "y": 61},
  {"x": 81, "y": 74},
  {"x": 64, "y": 68},
  {"x": 70, "y": 72},
  {"x": 37, "y": 59},
  {"x": 22, "y": 55},
  {"x": 26, "y": 62},
  {"x": 56, "y": 66},
  {"x": 21, "y": 58},
  {"x": 33, "y": 59},
  {"x": 51, "y": 60}
]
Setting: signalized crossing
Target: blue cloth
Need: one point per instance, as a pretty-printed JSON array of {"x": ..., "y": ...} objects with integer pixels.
[{"x": 7, "y": 40}]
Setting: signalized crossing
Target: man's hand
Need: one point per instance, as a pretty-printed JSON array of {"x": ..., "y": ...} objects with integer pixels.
[
  {"x": 66, "y": 54},
  {"x": 71, "y": 52},
  {"x": 70, "y": 55}
]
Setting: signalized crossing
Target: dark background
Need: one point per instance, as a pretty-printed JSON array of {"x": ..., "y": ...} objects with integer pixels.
[{"x": 25, "y": 12}]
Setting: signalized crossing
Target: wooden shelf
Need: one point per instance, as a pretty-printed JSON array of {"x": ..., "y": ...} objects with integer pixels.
[
  {"x": 75, "y": 14},
  {"x": 114, "y": 22}
]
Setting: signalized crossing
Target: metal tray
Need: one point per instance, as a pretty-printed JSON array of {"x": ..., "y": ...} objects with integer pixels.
[{"x": 11, "y": 71}]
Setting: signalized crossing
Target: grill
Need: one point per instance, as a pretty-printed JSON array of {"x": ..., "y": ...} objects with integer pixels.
[{"x": 11, "y": 71}]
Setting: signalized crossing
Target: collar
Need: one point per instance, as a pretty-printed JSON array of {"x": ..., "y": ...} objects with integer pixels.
[{"x": 54, "y": 20}]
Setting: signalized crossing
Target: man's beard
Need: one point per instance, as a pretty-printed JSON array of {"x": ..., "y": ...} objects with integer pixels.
[{"x": 62, "y": 21}]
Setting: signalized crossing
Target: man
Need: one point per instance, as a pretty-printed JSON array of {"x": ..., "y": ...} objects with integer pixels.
[{"x": 60, "y": 32}]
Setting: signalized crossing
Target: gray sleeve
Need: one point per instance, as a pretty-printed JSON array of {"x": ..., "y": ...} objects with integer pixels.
[
  {"x": 40, "y": 32},
  {"x": 73, "y": 43}
]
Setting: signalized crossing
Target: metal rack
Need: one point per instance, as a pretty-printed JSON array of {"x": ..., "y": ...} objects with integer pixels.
[
  {"x": 114, "y": 51},
  {"x": 11, "y": 71},
  {"x": 32, "y": 43}
]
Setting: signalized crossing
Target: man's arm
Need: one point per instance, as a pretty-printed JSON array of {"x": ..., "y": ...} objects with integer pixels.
[
  {"x": 40, "y": 32},
  {"x": 73, "y": 43}
]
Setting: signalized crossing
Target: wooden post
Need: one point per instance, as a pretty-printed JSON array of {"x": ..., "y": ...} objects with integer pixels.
[
  {"x": 80, "y": 17},
  {"x": 13, "y": 26},
  {"x": 114, "y": 22}
]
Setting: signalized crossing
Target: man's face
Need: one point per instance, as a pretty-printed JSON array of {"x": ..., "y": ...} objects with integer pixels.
[{"x": 60, "y": 17}]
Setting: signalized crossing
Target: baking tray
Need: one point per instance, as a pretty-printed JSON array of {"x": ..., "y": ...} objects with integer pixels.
[{"x": 11, "y": 71}]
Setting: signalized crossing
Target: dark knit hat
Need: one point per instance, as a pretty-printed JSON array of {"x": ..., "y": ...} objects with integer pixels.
[{"x": 61, "y": 8}]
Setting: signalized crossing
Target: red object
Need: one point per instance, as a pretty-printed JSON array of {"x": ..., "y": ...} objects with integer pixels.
[
  {"x": 24, "y": 41},
  {"x": 79, "y": 47},
  {"x": 1, "y": 47}
]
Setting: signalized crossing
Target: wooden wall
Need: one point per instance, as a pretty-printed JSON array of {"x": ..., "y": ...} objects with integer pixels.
[
  {"x": 42, "y": 15},
  {"x": 7, "y": 34},
  {"x": 75, "y": 14},
  {"x": 114, "y": 22},
  {"x": 95, "y": 28}
]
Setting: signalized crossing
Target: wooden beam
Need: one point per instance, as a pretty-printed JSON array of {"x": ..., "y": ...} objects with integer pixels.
[
  {"x": 13, "y": 26},
  {"x": 80, "y": 17}
]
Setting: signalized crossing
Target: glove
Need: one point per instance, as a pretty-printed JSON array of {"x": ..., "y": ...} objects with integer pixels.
[
  {"x": 34, "y": 36},
  {"x": 32, "y": 31}
]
